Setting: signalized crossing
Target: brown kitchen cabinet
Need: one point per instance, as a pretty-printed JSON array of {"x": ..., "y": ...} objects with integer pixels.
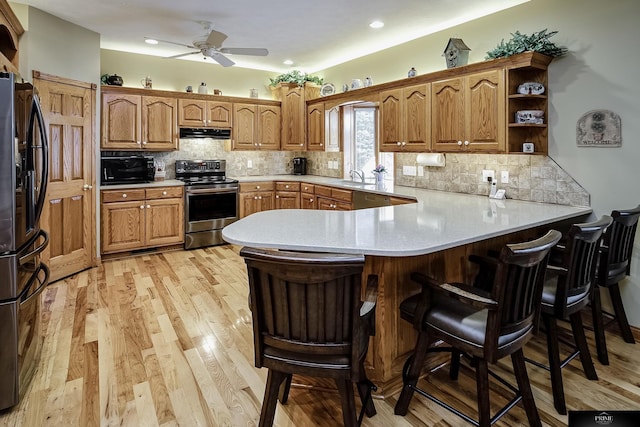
[
  {"x": 287, "y": 195},
  {"x": 331, "y": 198},
  {"x": 293, "y": 103},
  {"x": 138, "y": 122},
  {"x": 256, "y": 127},
  {"x": 256, "y": 197},
  {"x": 405, "y": 119},
  {"x": 315, "y": 127},
  {"x": 519, "y": 133},
  {"x": 199, "y": 113},
  {"x": 141, "y": 218},
  {"x": 307, "y": 196},
  {"x": 468, "y": 113}
]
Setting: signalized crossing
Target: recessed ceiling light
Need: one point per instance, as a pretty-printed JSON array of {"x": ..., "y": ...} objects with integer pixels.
[
  {"x": 288, "y": 62},
  {"x": 377, "y": 24},
  {"x": 151, "y": 41}
]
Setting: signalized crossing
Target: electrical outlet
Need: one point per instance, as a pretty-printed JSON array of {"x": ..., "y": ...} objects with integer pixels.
[
  {"x": 420, "y": 170},
  {"x": 249, "y": 164},
  {"x": 330, "y": 164},
  {"x": 504, "y": 177},
  {"x": 486, "y": 174}
]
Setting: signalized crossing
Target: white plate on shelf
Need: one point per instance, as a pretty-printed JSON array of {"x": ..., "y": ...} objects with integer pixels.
[
  {"x": 327, "y": 89},
  {"x": 531, "y": 88}
]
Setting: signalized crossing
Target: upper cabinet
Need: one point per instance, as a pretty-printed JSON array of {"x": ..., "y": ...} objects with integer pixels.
[
  {"x": 204, "y": 113},
  {"x": 405, "y": 119},
  {"x": 10, "y": 31},
  {"x": 468, "y": 113},
  {"x": 256, "y": 127},
  {"x": 138, "y": 122},
  {"x": 294, "y": 112},
  {"x": 315, "y": 127},
  {"x": 470, "y": 108}
]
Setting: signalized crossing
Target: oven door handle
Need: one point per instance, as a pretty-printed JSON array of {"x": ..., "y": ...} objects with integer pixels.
[{"x": 212, "y": 190}]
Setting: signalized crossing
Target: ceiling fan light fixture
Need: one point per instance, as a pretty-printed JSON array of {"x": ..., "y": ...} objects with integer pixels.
[
  {"x": 147, "y": 40},
  {"x": 287, "y": 62},
  {"x": 376, "y": 24}
]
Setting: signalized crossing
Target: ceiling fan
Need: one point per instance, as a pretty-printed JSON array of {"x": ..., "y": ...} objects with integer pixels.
[{"x": 211, "y": 47}]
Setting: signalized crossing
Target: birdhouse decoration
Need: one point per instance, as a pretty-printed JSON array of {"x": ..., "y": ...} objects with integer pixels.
[{"x": 456, "y": 53}]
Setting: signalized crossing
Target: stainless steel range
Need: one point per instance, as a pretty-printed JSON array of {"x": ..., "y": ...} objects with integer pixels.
[{"x": 211, "y": 201}]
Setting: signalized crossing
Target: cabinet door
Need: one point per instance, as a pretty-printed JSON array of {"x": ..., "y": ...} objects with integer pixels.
[
  {"x": 307, "y": 201},
  {"x": 122, "y": 226},
  {"x": 287, "y": 200},
  {"x": 192, "y": 112},
  {"x": 293, "y": 119},
  {"x": 333, "y": 129},
  {"x": 269, "y": 122},
  {"x": 164, "y": 222},
  {"x": 121, "y": 122},
  {"x": 159, "y": 123},
  {"x": 315, "y": 127},
  {"x": 416, "y": 118},
  {"x": 485, "y": 111},
  {"x": 447, "y": 115},
  {"x": 255, "y": 202},
  {"x": 219, "y": 114},
  {"x": 245, "y": 126},
  {"x": 391, "y": 136}
]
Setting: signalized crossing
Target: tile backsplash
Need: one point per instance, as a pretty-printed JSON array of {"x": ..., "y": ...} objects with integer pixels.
[{"x": 531, "y": 177}]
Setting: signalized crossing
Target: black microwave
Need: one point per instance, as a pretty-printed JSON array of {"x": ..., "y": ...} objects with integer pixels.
[{"x": 127, "y": 170}]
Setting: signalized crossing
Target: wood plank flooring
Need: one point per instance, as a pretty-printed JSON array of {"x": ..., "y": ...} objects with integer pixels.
[{"x": 166, "y": 339}]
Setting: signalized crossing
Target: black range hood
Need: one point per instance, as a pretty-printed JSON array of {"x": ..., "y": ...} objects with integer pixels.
[{"x": 215, "y": 133}]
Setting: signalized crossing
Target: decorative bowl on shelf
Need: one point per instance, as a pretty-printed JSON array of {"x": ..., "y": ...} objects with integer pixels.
[
  {"x": 531, "y": 88},
  {"x": 530, "y": 116}
]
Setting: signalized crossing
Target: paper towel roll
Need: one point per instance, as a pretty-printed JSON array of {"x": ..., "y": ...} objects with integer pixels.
[{"x": 430, "y": 159}]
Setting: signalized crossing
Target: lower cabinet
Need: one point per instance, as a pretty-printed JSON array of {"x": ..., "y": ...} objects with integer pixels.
[
  {"x": 255, "y": 197},
  {"x": 307, "y": 196},
  {"x": 287, "y": 195},
  {"x": 141, "y": 218},
  {"x": 330, "y": 198}
]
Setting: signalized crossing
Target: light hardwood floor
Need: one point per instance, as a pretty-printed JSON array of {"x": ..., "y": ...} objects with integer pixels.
[{"x": 166, "y": 339}]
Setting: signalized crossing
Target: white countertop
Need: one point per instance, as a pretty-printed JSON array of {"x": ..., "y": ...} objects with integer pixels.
[
  {"x": 165, "y": 183},
  {"x": 440, "y": 220}
]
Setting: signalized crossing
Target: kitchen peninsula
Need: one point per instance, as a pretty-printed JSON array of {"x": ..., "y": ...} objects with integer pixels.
[{"x": 434, "y": 235}]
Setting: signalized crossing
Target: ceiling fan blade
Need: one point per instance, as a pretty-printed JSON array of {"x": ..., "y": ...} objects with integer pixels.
[
  {"x": 215, "y": 38},
  {"x": 181, "y": 55},
  {"x": 245, "y": 51},
  {"x": 177, "y": 44},
  {"x": 220, "y": 59}
]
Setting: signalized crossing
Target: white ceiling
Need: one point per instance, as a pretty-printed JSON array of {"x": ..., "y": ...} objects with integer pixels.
[{"x": 313, "y": 34}]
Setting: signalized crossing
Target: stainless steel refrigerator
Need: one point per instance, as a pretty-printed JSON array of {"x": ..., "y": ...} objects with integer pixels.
[{"x": 23, "y": 276}]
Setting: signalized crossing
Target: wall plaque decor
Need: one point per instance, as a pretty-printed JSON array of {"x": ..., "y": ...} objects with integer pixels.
[{"x": 599, "y": 128}]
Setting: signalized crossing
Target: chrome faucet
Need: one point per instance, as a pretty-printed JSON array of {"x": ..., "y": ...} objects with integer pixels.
[{"x": 353, "y": 173}]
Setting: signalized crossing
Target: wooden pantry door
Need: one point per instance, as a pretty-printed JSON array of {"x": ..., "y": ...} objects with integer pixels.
[{"x": 69, "y": 110}]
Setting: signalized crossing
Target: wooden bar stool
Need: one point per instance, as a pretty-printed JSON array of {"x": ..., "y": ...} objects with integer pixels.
[
  {"x": 615, "y": 264},
  {"x": 485, "y": 325},
  {"x": 308, "y": 319}
]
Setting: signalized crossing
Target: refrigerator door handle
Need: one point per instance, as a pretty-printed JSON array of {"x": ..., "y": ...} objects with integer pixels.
[
  {"x": 36, "y": 113},
  {"x": 27, "y": 296},
  {"x": 25, "y": 258}
]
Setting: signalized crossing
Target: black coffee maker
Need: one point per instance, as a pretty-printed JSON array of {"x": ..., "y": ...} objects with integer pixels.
[{"x": 299, "y": 166}]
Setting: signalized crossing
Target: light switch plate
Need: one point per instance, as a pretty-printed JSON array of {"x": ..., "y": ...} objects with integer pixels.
[
  {"x": 249, "y": 164},
  {"x": 504, "y": 177},
  {"x": 409, "y": 170}
]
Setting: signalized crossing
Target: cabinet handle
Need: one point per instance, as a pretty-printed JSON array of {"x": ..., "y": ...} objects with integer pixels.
[
  {"x": 466, "y": 143},
  {"x": 164, "y": 193},
  {"x": 310, "y": 200},
  {"x": 286, "y": 186},
  {"x": 148, "y": 206},
  {"x": 144, "y": 142},
  {"x": 255, "y": 197},
  {"x": 124, "y": 195},
  {"x": 87, "y": 187},
  {"x": 277, "y": 197},
  {"x": 141, "y": 206},
  {"x": 138, "y": 142},
  {"x": 460, "y": 143},
  {"x": 259, "y": 197},
  {"x": 398, "y": 143},
  {"x": 257, "y": 187}
]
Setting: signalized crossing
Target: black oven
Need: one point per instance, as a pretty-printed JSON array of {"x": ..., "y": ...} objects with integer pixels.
[{"x": 127, "y": 170}]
